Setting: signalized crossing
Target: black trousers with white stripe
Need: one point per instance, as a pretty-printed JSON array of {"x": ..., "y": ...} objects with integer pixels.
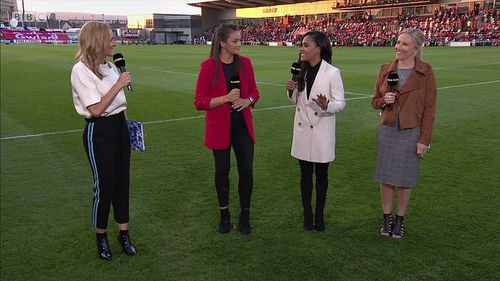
[{"x": 107, "y": 145}]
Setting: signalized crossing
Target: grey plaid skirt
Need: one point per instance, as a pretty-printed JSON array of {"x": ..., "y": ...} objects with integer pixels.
[{"x": 397, "y": 160}]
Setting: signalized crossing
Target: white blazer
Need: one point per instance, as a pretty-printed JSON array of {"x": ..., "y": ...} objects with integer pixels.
[{"x": 313, "y": 128}]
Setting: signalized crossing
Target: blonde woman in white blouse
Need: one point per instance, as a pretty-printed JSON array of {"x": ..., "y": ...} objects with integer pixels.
[{"x": 99, "y": 98}]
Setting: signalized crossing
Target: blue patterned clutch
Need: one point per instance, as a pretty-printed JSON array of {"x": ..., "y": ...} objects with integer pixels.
[{"x": 136, "y": 134}]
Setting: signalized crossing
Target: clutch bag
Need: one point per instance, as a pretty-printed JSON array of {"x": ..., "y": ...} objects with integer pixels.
[{"x": 136, "y": 134}]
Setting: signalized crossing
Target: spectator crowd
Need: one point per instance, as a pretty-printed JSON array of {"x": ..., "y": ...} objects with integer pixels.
[{"x": 482, "y": 27}]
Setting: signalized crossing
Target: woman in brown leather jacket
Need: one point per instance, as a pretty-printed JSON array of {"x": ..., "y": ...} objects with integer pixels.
[{"x": 407, "y": 117}]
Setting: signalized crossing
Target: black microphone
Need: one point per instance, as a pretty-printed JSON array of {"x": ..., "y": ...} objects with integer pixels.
[
  {"x": 295, "y": 70},
  {"x": 392, "y": 82},
  {"x": 120, "y": 63},
  {"x": 234, "y": 83}
]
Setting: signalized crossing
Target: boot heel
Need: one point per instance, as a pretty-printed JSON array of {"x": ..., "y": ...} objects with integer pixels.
[
  {"x": 319, "y": 221},
  {"x": 244, "y": 223},
  {"x": 103, "y": 250},
  {"x": 308, "y": 220},
  {"x": 225, "y": 221},
  {"x": 126, "y": 244}
]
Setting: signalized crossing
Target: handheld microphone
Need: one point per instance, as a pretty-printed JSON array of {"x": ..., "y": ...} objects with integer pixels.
[
  {"x": 234, "y": 82},
  {"x": 295, "y": 70},
  {"x": 392, "y": 82},
  {"x": 119, "y": 61}
]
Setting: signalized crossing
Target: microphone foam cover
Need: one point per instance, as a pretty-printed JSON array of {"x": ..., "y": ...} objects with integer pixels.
[
  {"x": 392, "y": 79},
  {"x": 234, "y": 82},
  {"x": 119, "y": 60},
  {"x": 295, "y": 69}
]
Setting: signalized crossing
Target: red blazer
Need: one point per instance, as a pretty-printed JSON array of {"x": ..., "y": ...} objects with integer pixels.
[{"x": 217, "y": 119}]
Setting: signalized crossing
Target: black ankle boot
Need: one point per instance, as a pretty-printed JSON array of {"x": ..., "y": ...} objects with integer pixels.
[
  {"x": 387, "y": 226},
  {"x": 399, "y": 228},
  {"x": 126, "y": 244},
  {"x": 103, "y": 250},
  {"x": 225, "y": 221},
  {"x": 244, "y": 223},
  {"x": 319, "y": 221},
  {"x": 308, "y": 220}
]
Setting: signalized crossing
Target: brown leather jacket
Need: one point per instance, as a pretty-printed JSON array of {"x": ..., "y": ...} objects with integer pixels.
[{"x": 415, "y": 100}]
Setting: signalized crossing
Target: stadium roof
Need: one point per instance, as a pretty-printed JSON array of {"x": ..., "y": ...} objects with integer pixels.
[{"x": 237, "y": 4}]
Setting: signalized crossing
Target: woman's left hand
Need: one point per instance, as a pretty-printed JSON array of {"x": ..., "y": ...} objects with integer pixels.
[
  {"x": 241, "y": 104},
  {"x": 422, "y": 149},
  {"x": 321, "y": 101}
]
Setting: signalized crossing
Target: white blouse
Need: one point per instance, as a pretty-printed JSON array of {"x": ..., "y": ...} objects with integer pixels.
[{"x": 88, "y": 89}]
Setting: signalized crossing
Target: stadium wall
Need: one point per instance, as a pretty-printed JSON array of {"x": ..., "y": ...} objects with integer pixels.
[{"x": 314, "y": 8}]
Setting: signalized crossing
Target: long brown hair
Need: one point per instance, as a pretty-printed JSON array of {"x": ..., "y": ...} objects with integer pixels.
[
  {"x": 94, "y": 38},
  {"x": 221, "y": 34}
]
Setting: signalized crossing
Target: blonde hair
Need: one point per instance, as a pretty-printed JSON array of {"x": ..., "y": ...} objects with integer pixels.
[
  {"x": 418, "y": 39},
  {"x": 94, "y": 38}
]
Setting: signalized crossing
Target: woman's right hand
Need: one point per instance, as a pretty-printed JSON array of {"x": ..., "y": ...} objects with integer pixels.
[
  {"x": 291, "y": 85},
  {"x": 389, "y": 97},
  {"x": 124, "y": 79},
  {"x": 233, "y": 95}
]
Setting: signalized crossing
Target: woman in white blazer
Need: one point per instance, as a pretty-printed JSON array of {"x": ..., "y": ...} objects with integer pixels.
[{"x": 318, "y": 94}]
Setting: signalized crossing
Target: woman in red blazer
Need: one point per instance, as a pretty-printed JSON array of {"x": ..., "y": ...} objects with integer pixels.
[{"x": 226, "y": 90}]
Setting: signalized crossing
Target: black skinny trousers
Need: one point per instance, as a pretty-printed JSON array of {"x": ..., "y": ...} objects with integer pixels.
[
  {"x": 107, "y": 145},
  {"x": 306, "y": 184},
  {"x": 243, "y": 150}
]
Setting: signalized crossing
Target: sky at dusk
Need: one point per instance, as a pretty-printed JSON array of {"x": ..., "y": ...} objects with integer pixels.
[{"x": 111, "y": 7}]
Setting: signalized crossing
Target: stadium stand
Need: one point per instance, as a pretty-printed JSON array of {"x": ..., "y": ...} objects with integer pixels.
[{"x": 481, "y": 27}]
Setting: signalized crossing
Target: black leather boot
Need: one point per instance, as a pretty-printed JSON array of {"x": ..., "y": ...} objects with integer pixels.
[
  {"x": 126, "y": 244},
  {"x": 308, "y": 220},
  {"x": 244, "y": 223},
  {"x": 103, "y": 250},
  {"x": 319, "y": 221},
  {"x": 225, "y": 221}
]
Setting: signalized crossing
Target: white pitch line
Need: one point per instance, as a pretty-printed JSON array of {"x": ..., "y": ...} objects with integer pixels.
[
  {"x": 470, "y": 84},
  {"x": 41, "y": 134},
  {"x": 196, "y": 75},
  {"x": 364, "y": 96}
]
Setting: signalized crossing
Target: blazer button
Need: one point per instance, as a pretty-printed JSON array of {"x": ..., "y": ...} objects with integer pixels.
[
  {"x": 315, "y": 113},
  {"x": 298, "y": 109},
  {"x": 311, "y": 126},
  {"x": 300, "y": 124}
]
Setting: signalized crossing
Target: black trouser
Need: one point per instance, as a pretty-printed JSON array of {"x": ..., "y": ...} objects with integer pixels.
[
  {"x": 107, "y": 146},
  {"x": 306, "y": 183},
  {"x": 243, "y": 150}
]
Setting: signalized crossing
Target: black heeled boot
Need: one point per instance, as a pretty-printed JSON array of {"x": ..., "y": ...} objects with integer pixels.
[
  {"x": 103, "y": 250},
  {"x": 126, "y": 244},
  {"x": 399, "y": 228},
  {"x": 386, "y": 229},
  {"x": 308, "y": 220},
  {"x": 225, "y": 221},
  {"x": 244, "y": 223},
  {"x": 319, "y": 221}
]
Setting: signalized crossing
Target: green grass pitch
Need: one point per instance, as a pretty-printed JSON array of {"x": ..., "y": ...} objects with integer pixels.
[{"x": 452, "y": 222}]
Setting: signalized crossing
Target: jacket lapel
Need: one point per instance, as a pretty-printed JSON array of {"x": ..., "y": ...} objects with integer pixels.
[
  {"x": 317, "y": 81},
  {"x": 413, "y": 81}
]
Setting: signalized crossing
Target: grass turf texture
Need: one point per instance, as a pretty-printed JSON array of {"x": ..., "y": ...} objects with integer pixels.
[{"x": 46, "y": 189}]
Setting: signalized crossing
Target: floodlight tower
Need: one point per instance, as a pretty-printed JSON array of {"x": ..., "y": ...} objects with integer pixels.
[{"x": 24, "y": 24}]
